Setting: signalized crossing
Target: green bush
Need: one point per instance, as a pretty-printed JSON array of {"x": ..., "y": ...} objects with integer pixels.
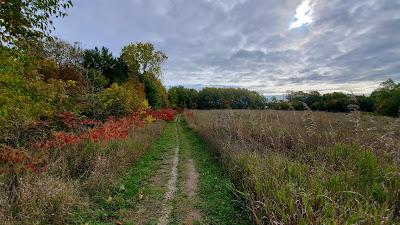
[
  {"x": 116, "y": 101},
  {"x": 24, "y": 96}
]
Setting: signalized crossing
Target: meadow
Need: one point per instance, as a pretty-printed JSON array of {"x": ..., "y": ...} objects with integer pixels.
[
  {"x": 88, "y": 136},
  {"x": 304, "y": 167}
]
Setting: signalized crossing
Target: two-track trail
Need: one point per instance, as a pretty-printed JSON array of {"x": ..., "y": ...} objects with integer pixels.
[{"x": 181, "y": 183}]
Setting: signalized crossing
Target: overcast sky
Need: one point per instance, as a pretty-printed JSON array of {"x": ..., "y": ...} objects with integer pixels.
[{"x": 270, "y": 46}]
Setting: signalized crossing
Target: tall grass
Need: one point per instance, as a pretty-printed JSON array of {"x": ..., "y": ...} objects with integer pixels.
[{"x": 308, "y": 167}]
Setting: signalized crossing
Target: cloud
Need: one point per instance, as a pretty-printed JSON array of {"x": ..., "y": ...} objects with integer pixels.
[
  {"x": 303, "y": 15},
  {"x": 345, "y": 45}
]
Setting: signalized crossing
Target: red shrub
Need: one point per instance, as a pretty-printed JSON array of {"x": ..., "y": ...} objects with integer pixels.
[
  {"x": 112, "y": 129},
  {"x": 163, "y": 114},
  {"x": 14, "y": 161}
]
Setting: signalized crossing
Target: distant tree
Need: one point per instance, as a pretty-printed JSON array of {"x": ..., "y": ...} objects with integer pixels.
[
  {"x": 365, "y": 103},
  {"x": 336, "y": 102},
  {"x": 298, "y": 98},
  {"x": 184, "y": 98},
  {"x": 383, "y": 101},
  {"x": 230, "y": 98},
  {"x": 143, "y": 58},
  {"x": 386, "y": 98},
  {"x": 24, "y": 21}
]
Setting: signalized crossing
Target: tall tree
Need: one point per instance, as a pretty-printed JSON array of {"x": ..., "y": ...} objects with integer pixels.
[
  {"x": 115, "y": 70},
  {"x": 24, "y": 21},
  {"x": 63, "y": 53},
  {"x": 145, "y": 62},
  {"x": 143, "y": 58}
]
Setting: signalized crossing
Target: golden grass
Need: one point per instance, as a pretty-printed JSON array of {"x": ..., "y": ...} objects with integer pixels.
[{"x": 308, "y": 167}]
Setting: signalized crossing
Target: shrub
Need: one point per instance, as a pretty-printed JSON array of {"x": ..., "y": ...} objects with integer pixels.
[
  {"x": 116, "y": 101},
  {"x": 24, "y": 96}
]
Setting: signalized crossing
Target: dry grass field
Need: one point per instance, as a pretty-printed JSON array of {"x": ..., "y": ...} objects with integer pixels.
[{"x": 308, "y": 167}]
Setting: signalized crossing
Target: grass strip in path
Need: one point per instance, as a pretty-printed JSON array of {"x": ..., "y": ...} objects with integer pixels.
[{"x": 216, "y": 201}]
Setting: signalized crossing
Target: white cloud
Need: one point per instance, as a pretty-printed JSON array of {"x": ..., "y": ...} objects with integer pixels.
[{"x": 303, "y": 15}]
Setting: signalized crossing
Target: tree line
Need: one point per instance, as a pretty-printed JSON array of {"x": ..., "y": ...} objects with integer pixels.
[
  {"x": 385, "y": 100},
  {"x": 215, "y": 98}
]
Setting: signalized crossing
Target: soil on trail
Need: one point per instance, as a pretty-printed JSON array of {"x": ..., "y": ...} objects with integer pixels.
[{"x": 191, "y": 180}]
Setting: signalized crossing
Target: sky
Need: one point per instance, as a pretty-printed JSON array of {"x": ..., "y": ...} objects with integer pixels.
[{"x": 270, "y": 46}]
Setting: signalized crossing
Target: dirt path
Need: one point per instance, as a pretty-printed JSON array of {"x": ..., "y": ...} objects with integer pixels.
[
  {"x": 157, "y": 199},
  {"x": 183, "y": 185},
  {"x": 191, "y": 181}
]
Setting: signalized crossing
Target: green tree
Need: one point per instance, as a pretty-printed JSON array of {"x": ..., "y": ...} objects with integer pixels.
[
  {"x": 143, "y": 58},
  {"x": 184, "y": 98},
  {"x": 24, "y": 21},
  {"x": 156, "y": 93},
  {"x": 96, "y": 79},
  {"x": 115, "y": 70},
  {"x": 365, "y": 103},
  {"x": 24, "y": 96},
  {"x": 386, "y": 98},
  {"x": 230, "y": 98},
  {"x": 145, "y": 62}
]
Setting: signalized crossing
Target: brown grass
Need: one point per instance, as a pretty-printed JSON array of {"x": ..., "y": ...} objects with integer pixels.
[{"x": 308, "y": 167}]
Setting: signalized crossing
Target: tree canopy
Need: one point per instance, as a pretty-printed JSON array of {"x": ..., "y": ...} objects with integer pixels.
[
  {"x": 24, "y": 21},
  {"x": 143, "y": 58},
  {"x": 114, "y": 69}
]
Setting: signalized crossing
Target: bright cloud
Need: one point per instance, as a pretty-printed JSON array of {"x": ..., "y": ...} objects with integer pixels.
[{"x": 303, "y": 15}]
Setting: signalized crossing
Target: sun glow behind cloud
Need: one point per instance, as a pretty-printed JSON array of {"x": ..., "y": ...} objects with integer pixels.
[{"x": 303, "y": 15}]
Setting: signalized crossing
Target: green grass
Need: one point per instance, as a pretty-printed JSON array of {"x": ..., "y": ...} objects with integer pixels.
[
  {"x": 109, "y": 205},
  {"x": 217, "y": 202}
]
